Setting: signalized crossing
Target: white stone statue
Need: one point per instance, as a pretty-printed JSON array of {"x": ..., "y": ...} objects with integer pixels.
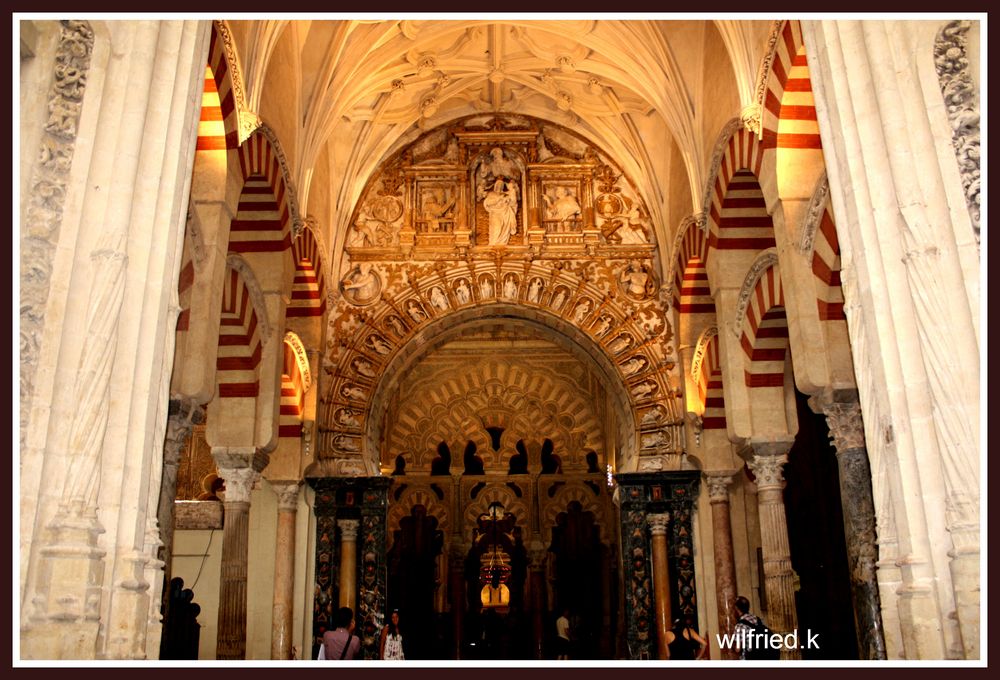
[
  {"x": 563, "y": 206},
  {"x": 633, "y": 232},
  {"x": 396, "y": 324},
  {"x": 378, "y": 343},
  {"x": 602, "y": 326},
  {"x": 352, "y": 392},
  {"x": 581, "y": 311},
  {"x": 415, "y": 312},
  {"x": 501, "y": 204},
  {"x": 361, "y": 285},
  {"x": 644, "y": 389},
  {"x": 438, "y": 298},
  {"x": 363, "y": 367},
  {"x": 510, "y": 287},
  {"x": 462, "y": 292},
  {"x": 486, "y": 287},
  {"x": 535, "y": 290},
  {"x": 635, "y": 279},
  {"x": 559, "y": 299},
  {"x": 633, "y": 366},
  {"x": 345, "y": 417},
  {"x": 620, "y": 344}
]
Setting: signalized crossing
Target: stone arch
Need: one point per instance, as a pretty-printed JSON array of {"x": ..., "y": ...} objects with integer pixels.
[
  {"x": 412, "y": 497},
  {"x": 494, "y": 493}
]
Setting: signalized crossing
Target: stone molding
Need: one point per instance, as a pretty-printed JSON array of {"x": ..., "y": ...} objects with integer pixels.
[
  {"x": 767, "y": 259},
  {"x": 699, "y": 351},
  {"x": 236, "y": 262},
  {"x": 291, "y": 196},
  {"x": 962, "y": 104},
  {"x": 248, "y": 121},
  {"x": 814, "y": 214},
  {"x": 721, "y": 143},
  {"x": 675, "y": 251},
  {"x": 750, "y": 117},
  {"x": 47, "y": 196}
]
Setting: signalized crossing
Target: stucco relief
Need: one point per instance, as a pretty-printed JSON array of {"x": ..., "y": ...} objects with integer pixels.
[
  {"x": 767, "y": 259},
  {"x": 47, "y": 195},
  {"x": 962, "y": 104},
  {"x": 814, "y": 214}
]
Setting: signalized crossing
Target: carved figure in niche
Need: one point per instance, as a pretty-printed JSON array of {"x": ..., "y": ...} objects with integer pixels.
[
  {"x": 497, "y": 166},
  {"x": 486, "y": 287},
  {"x": 654, "y": 439},
  {"x": 646, "y": 388},
  {"x": 373, "y": 219},
  {"x": 581, "y": 311},
  {"x": 360, "y": 235},
  {"x": 636, "y": 281},
  {"x": 633, "y": 365},
  {"x": 438, "y": 298},
  {"x": 350, "y": 391},
  {"x": 559, "y": 298},
  {"x": 436, "y": 207},
  {"x": 519, "y": 461},
  {"x": 345, "y": 443},
  {"x": 361, "y": 285},
  {"x": 535, "y": 290},
  {"x": 363, "y": 367},
  {"x": 551, "y": 463},
  {"x": 462, "y": 292},
  {"x": 501, "y": 204},
  {"x": 395, "y": 324},
  {"x": 378, "y": 343},
  {"x": 415, "y": 311},
  {"x": 603, "y": 325},
  {"x": 441, "y": 464},
  {"x": 400, "y": 469},
  {"x": 473, "y": 463},
  {"x": 510, "y": 287},
  {"x": 620, "y": 344},
  {"x": 652, "y": 416},
  {"x": 345, "y": 417},
  {"x": 563, "y": 206}
]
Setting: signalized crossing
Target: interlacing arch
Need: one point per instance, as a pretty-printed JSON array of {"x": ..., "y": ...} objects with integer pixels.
[
  {"x": 691, "y": 294},
  {"x": 566, "y": 494},
  {"x": 762, "y": 324},
  {"x": 819, "y": 240},
  {"x": 738, "y": 217},
  {"x": 411, "y": 497},
  {"x": 263, "y": 218},
  {"x": 527, "y": 405},
  {"x": 491, "y": 494}
]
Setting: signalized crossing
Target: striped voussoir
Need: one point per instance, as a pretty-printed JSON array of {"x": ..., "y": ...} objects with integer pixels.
[
  {"x": 764, "y": 335},
  {"x": 239, "y": 341}
]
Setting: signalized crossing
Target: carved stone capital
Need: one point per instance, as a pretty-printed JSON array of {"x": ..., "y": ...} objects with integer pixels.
[
  {"x": 847, "y": 430},
  {"x": 348, "y": 529},
  {"x": 184, "y": 414},
  {"x": 239, "y": 483},
  {"x": 288, "y": 494},
  {"x": 718, "y": 482},
  {"x": 658, "y": 523},
  {"x": 766, "y": 468},
  {"x": 750, "y": 116}
]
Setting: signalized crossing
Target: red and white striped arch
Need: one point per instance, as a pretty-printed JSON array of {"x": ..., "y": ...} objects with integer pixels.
[
  {"x": 789, "y": 116},
  {"x": 308, "y": 287},
  {"x": 262, "y": 222},
  {"x": 709, "y": 381},
  {"x": 764, "y": 332},
  {"x": 218, "y": 129},
  {"x": 691, "y": 290},
  {"x": 292, "y": 395},
  {"x": 738, "y": 217},
  {"x": 826, "y": 269},
  {"x": 238, "y": 362}
]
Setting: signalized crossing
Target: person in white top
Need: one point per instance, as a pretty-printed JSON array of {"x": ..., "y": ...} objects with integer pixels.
[
  {"x": 562, "y": 635},
  {"x": 391, "y": 645}
]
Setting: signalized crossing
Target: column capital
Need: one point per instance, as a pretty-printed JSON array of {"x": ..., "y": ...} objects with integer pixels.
[
  {"x": 349, "y": 529},
  {"x": 767, "y": 471},
  {"x": 658, "y": 523},
  {"x": 843, "y": 417},
  {"x": 287, "y": 492},
  {"x": 239, "y": 483},
  {"x": 718, "y": 482},
  {"x": 239, "y": 457}
]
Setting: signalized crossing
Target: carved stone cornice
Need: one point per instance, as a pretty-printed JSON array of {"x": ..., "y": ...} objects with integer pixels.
[
  {"x": 47, "y": 195},
  {"x": 962, "y": 103},
  {"x": 658, "y": 523},
  {"x": 767, "y": 259},
  {"x": 728, "y": 130},
  {"x": 718, "y": 482},
  {"x": 348, "y": 529},
  {"x": 814, "y": 213}
]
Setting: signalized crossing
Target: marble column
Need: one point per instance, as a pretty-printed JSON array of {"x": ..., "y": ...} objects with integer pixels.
[
  {"x": 284, "y": 569},
  {"x": 722, "y": 544},
  {"x": 184, "y": 415},
  {"x": 766, "y": 465},
  {"x": 348, "y": 561},
  {"x": 848, "y": 434},
  {"x": 536, "y": 584},
  {"x": 658, "y": 524},
  {"x": 240, "y": 469}
]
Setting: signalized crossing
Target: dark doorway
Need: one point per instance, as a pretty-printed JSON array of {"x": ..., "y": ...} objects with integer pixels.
[{"x": 816, "y": 539}]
